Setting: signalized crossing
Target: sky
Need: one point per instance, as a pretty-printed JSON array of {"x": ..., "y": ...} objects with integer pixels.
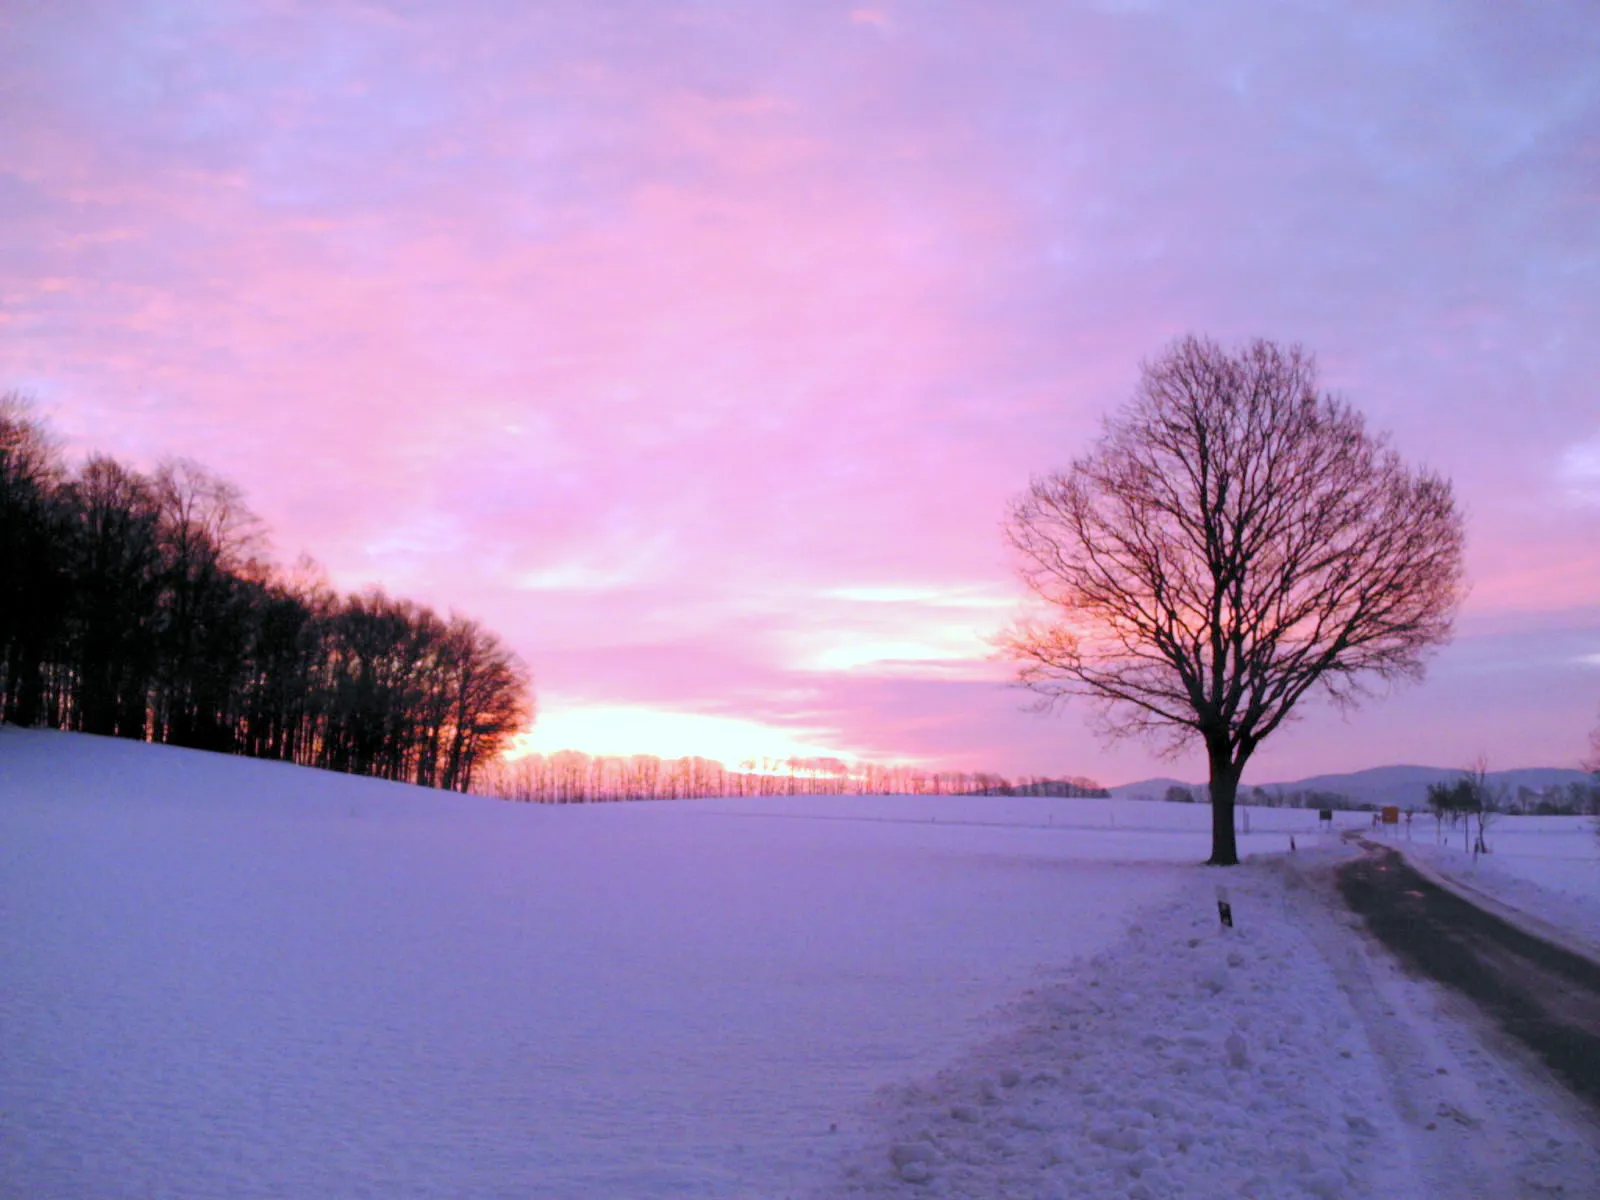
[{"x": 698, "y": 349}]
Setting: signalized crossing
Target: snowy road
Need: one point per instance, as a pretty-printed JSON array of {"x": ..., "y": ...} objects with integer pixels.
[{"x": 1545, "y": 996}]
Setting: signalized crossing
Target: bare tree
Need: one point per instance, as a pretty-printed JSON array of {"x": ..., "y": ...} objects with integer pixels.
[
  {"x": 34, "y": 573},
  {"x": 1233, "y": 540},
  {"x": 1470, "y": 799},
  {"x": 1489, "y": 800},
  {"x": 208, "y": 539},
  {"x": 114, "y": 619}
]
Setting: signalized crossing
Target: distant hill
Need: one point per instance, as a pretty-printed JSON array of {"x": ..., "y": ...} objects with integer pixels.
[
  {"x": 1403, "y": 785},
  {"x": 1150, "y": 789}
]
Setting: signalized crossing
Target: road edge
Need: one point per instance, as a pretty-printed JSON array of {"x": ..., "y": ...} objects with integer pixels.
[{"x": 1519, "y": 918}]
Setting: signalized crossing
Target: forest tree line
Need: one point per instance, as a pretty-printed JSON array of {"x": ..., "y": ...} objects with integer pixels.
[
  {"x": 572, "y": 777},
  {"x": 143, "y": 606}
]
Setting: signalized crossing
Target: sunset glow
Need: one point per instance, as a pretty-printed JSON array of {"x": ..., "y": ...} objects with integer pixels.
[
  {"x": 623, "y": 730},
  {"x": 698, "y": 350}
]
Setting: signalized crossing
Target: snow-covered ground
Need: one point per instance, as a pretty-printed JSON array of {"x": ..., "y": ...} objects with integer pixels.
[
  {"x": 1289, "y": 1057},
  {"x": 231, "y": 978}
]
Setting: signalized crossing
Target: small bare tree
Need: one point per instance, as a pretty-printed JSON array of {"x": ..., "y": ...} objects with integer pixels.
[
  {"x": 1472, "y": 800},
  {"x": 1234, "y": 539},
  {"x": 1490, "y": 797}
]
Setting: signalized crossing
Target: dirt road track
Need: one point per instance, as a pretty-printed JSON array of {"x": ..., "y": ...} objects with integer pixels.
[{"x": 1545, "y": 996}]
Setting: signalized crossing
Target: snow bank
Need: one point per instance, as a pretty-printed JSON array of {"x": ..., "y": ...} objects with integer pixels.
[
  {"x": 1287, "y": 1058},
  {"x": 1189, "y": 1060}
]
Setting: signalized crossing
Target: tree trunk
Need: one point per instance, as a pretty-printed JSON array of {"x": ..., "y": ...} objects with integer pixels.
[
  {"x": 28, "y": 709},
  {"x": 1224, "y": 790}
]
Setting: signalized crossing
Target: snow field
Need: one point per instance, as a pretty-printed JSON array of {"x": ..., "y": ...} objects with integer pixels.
[{"x": 226, "y": 977}]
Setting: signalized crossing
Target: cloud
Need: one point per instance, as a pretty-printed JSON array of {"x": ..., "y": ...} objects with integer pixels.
[
  {"x": 874, "y": 17},
  {"x": 1580, "y": 471},
  {"x": 699, "y": 350},
  {"x": 575, "y": 577}
]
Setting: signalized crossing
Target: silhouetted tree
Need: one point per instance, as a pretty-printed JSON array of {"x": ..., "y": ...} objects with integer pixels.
[
  {"x": 207, "y": 538},
  {"x": 1234, "y": 539},
  {"x": 34, "y": 576},
  {"x": 488, "y": 688},
  {"x": 274, "y": 689},
  {"x": 374, "y": 643},
  {"x": 114, "y": 616}
]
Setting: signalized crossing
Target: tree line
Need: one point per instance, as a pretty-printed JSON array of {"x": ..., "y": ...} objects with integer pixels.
[
  {"x": 572, "y": 777},
  {"x": 144, "y": 606}
]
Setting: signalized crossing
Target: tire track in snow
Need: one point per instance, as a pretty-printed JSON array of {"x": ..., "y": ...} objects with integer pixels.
[
  {"x": 1546, "y": 996},
  {"x": 1479, "y": 1118}
]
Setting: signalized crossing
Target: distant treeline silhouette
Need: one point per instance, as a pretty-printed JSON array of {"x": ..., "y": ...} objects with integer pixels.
[
  {"x": 142, "y": 606},
  {"x": 1277, "y": 797},
  {"x": 1556, "y": 799},
  {"x": 571, "y": 777}
]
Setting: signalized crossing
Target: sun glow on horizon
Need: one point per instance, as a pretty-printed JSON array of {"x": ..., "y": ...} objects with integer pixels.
[{"x": 622, "y": 730}]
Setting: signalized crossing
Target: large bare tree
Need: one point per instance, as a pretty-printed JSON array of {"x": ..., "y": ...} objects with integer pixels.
[{"x": 1234, "y": 540}]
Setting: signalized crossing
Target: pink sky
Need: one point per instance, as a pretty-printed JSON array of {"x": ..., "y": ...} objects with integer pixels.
[{"x": 698, "y": 348}]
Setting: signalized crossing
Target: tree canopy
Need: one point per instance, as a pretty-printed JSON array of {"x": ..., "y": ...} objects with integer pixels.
[{"x": 1233, "y": 540}]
